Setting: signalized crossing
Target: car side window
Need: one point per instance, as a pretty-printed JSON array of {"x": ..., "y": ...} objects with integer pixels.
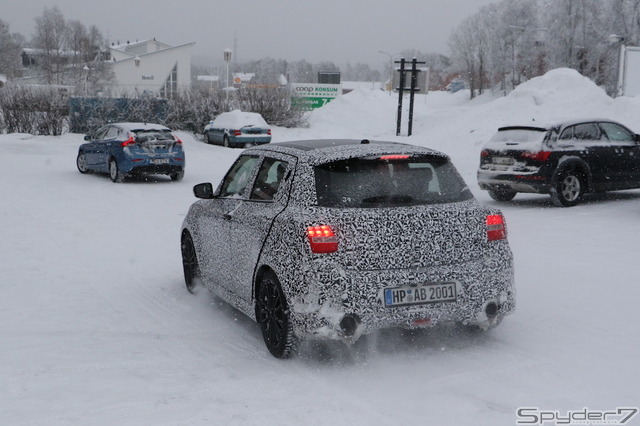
[
  {"x": 587, "y": 132},
  {"x": 567, "y": 134},
  {"x": 101, "y": 134},
  {"x": 112, "y": 133},
  {"x": 269, "y": 178},
  {"x": 239, "y": 177},
  {"x": 617, "y": 133}
]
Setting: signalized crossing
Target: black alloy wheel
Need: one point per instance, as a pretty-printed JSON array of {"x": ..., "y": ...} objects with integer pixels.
[
  {"x": 190, "y": 265},
  {"x": 272, "y": 313}
]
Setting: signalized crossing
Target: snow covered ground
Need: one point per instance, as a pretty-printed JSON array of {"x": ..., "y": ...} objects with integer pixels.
[{"x": 97, "y": 328}]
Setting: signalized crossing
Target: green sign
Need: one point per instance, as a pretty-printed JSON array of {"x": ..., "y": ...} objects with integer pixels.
[{"x": 311, "y": 96}]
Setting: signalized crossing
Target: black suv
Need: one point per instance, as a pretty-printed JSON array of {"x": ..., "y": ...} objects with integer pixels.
[{"x": 565, "y": 160}]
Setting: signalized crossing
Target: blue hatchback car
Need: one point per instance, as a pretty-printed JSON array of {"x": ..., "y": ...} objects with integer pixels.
[{"x": 126, "y": 149}]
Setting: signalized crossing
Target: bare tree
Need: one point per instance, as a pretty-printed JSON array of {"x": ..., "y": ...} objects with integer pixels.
[
  {"x": 10, "y": 46},
  {"x": 50, "y": 37}
]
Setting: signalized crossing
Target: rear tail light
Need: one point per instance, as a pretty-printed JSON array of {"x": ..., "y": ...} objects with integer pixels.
[
  {"x": 322, "y": 239},
  {"x": 178, "y": 141},
  {"x": 496, "y": 227},
  {"x": 540, "y": 156},
  {"x": 129, "y": 141},
  {"x": 484, "y": 153},
  {"x": 269, "y": 132},
  {"x": 237, "y": 132}
]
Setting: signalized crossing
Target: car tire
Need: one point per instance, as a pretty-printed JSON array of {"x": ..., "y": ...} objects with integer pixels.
[
  {"x": 81, "y": 163},
  {"x": 115, "y": 173},
  {"x": 190, "y": 265},
  {"x": 177, "y": 176},
  {"x": 502, "y": 194},
  {"x": 569, "y": 188},
  {"x": 225, "y": 141},
  {"x": 206, "y": 138},
  {"x": 272, "y": 313}
]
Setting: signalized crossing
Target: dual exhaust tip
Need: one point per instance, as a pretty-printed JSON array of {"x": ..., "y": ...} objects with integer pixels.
[{"x": 350, "y": 322}]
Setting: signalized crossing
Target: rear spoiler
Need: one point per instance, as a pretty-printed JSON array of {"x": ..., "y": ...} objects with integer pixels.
[{"x": 536, "y": 129}]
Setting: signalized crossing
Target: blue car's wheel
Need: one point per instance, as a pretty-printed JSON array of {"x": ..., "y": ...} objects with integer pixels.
[
  {"x": 81, "y": 162},
  {"x": 177, "y": 175},
  {"x": 225, "y": 141},
  {"x": 114, "y": 172}
]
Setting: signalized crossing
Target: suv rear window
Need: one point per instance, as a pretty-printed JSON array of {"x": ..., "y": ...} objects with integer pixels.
[{"x": 389, "y": 181}]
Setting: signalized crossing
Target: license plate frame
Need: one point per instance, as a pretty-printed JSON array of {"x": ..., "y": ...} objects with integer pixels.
[
  {"x": 159, "y": 161},
  {"x": 424, "y": 294},
  {"x": 503, "y": 161}
]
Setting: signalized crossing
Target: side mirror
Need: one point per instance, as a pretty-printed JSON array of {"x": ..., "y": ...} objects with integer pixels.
[
  {"x": 87, "y": 138},
  {"x": 204, "y": 191},
  {"x": 636, "y": 137}
]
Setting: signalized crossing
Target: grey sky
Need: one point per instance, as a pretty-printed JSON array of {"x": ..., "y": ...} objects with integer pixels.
[{"x": 340, "y": 31}]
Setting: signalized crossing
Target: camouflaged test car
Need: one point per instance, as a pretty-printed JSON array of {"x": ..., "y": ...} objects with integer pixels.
[{"x": 338, "y": 238}]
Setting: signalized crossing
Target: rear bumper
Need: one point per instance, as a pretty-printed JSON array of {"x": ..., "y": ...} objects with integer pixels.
[
  {"x": 343, "y": 305},
  {"x": 145, "y": 165},
  {"x": 519, "y": 182}
]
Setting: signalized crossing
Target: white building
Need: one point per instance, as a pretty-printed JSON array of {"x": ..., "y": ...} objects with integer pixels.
[{"x": 151, "y": 67}]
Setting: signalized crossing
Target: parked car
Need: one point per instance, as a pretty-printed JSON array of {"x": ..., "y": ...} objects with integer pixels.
[
  {"x": 336, "y": 239},
  {"x": 565, "y": 160},
  {"x": 238, "y": 129},
  {"x": 123, "y": 149}
]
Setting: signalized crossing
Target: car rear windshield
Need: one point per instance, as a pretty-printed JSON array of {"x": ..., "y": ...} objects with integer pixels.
[
  {"x": 154, "y": 135},
  {"x": 389, "y": 181}
]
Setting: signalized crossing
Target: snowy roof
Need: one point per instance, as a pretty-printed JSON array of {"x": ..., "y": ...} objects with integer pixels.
[{"x": 320, "y": 151}]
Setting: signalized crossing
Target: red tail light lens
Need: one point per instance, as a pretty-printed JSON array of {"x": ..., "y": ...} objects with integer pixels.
[
  {"x": 129, "y": 141},
  {"x": 496, "y": 227},
  {"x": 484, "y": 153},
  {"x": 322, "y": 239},
  {"x": 269, "y": 132},
  {"x": 540, "y": 156},
  {"x": 237, "y": 132}
]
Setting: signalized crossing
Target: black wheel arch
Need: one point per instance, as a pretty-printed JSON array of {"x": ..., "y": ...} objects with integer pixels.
[{"x": 573, "y": 163}]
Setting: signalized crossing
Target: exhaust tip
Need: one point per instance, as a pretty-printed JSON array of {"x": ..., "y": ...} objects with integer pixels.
[
  {"x": 349, "y": 324},
  {"x": 491, "y": 310}
]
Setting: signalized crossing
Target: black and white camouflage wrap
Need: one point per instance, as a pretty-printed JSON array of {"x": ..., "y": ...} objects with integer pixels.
[{"x": 378, "y": 248}]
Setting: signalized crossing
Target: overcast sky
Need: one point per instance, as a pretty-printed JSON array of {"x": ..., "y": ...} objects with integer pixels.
[{"x": 340, "y": 31}]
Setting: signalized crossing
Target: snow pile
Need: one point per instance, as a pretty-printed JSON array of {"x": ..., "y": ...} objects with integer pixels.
[{"x": 97, "y": 327}]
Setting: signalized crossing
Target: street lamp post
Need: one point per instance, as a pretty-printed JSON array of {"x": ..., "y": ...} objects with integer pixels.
[
  {"x": 616, "y": 39},
  {"x": 86, "y": 78},
  {"x": 227, "y": 59},
  {"x": 390, "y": 55}
]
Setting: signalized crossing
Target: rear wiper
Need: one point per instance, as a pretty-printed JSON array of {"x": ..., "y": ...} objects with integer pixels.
[{"x": 388, "y": 199}]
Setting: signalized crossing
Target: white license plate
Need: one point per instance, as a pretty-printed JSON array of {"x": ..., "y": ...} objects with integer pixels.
[
  {"x": 503, "y": 161},
  {"x": 419, "y": 295},
  {"x": 160, "y": 161}
]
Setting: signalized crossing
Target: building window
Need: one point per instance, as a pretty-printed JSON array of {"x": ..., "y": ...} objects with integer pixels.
[{"x": 170, "y": 87}]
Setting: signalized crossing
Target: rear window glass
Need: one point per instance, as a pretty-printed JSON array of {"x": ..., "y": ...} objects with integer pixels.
[
  {"x": 519, "y": 135},
  {"x": 389, "y": 181},
  {"x": 154, "y": 135}
]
